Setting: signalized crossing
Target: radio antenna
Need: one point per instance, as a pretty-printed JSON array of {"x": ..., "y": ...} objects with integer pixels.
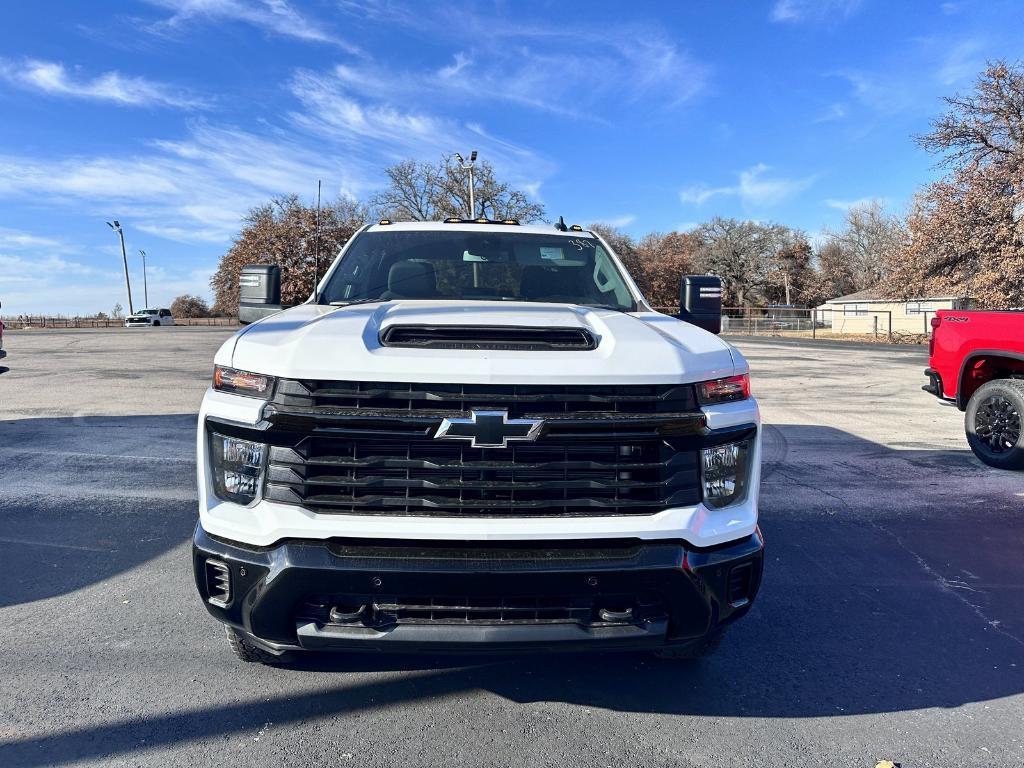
[{"x": 316, "y": 249}]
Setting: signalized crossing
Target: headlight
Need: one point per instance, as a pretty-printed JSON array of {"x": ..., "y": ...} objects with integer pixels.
[
  {"x": 724, "y": 473},
  {"x": 724, "y": 390},
  {"x": 242, "y": 383},
  {"x": 237, "y": 468}
]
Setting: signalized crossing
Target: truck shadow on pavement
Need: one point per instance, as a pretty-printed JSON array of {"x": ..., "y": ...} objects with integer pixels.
[
  {"x": 83, "y": 499},
  {"x": 893, "y": 582}
]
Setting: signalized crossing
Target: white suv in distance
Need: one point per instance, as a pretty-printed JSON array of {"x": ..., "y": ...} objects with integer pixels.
[{"x": 149, "y": 317}]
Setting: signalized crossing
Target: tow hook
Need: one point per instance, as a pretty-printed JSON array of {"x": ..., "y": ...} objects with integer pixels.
[{"x": 344, "y": 616}]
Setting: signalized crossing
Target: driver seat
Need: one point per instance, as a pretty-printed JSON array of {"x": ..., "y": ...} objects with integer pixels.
[{"x": 411, "y": 279}]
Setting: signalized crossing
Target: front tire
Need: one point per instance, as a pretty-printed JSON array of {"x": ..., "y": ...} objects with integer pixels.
[
  {"x": 993, "y": 423},
  {"x": 156, "y": 324},
  {"x": 246, "y": 650}
]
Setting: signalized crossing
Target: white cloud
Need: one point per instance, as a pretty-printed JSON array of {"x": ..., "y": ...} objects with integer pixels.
[
  {"x": 276, "y": 17},
  {"x": 583, "y": 72},
  {"x": 912, "y": 78},
  {"x": 613, "y": 221},
  {"x": 193, "y": 190},
  {"x": 197, "y": 188},
  {"x": 795, "y": 11},
  {"x": 373, "y": 132},
  {"x": 14, "y": 239},
  {"x": 53, "y": 78},
  {"x": 860, "y": 202},
  {"x": 963, "y": 61},
  {"x": 44, "y": 282},
  {"x": 832, "y": 113},
  {"x": 460, "y": 62},
  {"x": 754, "y": 188}
]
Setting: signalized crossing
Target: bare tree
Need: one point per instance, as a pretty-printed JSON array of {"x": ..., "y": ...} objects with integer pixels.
[
  {"x": 189, "y": 306},
  {"x": 870, "y": 239},
  {"x": 984, "y": 126},
  {"x": 834, "y": 272},
  {"x": 661, "y": 260},
  {"x": 433, "y": 191},
  {"x": 743, "y": 254},
  {"x": 967, "y": 229}
]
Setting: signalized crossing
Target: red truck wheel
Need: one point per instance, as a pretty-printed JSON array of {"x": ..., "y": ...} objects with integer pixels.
[{"x": 993, "y": 423}]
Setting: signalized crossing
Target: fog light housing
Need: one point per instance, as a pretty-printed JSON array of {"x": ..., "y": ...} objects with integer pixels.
[
  {"x": 724, "y": 473},
  {"x": 237, "y": 468}
]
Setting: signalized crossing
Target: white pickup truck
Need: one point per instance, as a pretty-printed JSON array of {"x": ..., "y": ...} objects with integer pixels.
[
  {"x": 149, "y": 317},
  {"x": 478, "y": 435}
]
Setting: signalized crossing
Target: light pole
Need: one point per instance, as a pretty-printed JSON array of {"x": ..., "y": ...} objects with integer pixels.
[
  {"x": 145, "y": 282},
  {"x": 468, "y": 166},
  {"x": 116, "y": 226}
]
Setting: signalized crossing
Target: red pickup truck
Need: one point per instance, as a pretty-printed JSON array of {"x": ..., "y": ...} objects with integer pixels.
[{"x": 977, "y": 361}]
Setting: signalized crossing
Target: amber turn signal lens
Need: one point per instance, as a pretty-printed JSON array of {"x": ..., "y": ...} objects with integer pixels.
[{"x": 242, "y": 383}]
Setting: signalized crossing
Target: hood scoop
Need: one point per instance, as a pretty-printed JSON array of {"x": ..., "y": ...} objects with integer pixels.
[{"x": 488, "y": 337}]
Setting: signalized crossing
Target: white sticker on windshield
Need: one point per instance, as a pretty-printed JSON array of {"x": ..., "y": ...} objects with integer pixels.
[{"x": 554, "y": 254}]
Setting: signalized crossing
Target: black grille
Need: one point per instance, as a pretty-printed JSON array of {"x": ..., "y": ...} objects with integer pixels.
[
  {"x": 519, "y": 399},
  {"x": 389, "y": 610},
  {"x": 369, "y": 448},
  {"x": 487, "y": 337},
  {"x": 739, "y": 584}
]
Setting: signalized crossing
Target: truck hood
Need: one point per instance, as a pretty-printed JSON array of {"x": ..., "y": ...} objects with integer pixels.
[{"x": 342, "y": 343}]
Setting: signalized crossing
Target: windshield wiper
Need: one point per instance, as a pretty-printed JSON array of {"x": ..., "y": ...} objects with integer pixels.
[
  {"x": 614, "y": 307},
  {"x": 353, "y": 302}
]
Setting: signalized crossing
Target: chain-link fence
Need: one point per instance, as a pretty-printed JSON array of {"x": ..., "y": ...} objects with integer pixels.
[{"x": 818, "y": 323}]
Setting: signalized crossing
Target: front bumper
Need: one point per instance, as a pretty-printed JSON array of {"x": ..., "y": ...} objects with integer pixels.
[{"x": 300, "y": 594}]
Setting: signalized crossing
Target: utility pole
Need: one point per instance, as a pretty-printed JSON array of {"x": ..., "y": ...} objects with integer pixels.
[
  {"x": 116, "y": 226},
  {"x": 468, "y": 166},
  {"x": 145, "y": 281}
]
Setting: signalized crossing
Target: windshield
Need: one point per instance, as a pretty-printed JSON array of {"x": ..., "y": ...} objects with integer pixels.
[
  {"x": 478, "y": 266},
  {"x": 146, "y": 312}
]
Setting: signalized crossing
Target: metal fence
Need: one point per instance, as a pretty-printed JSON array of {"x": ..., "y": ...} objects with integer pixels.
[
  {"x": 42, "y": 321},
  {"x": 817, "y": 323}
]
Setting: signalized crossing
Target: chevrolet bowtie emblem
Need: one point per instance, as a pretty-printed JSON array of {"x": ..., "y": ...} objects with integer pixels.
[{"x": 489, "y": 429}]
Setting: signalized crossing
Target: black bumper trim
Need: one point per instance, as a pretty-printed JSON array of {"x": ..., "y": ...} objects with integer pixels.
[
  {"x": 934, "y": 385},
  {"x": 500, "y": 639},
  {"x": 269, "y": 584}
]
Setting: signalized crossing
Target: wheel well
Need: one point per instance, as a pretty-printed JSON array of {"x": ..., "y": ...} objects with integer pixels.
[{"x": 983, "y": 368}]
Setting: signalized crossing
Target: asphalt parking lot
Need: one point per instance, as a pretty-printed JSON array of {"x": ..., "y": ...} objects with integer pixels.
[{"x": 890, "y": 624}]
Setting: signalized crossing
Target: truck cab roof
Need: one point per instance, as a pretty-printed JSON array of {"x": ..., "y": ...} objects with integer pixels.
[{"x": 473, "y": 226}]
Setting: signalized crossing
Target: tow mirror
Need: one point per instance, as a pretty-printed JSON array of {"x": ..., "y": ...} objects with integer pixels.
[
  {"x": 700, "y": 301},
  {"x": 259, "y": 292}
]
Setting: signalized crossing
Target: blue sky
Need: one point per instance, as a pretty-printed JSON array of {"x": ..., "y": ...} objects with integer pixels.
[{"x": 176, "y": 116}]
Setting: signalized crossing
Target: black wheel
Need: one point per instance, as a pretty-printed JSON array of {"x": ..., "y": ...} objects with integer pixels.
[
  {"x": 156, "y": 324},
  {"x": 246, "y": 650},
  {"x": 698, "y": 649},
  {"x": 993, "y": 423}
]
